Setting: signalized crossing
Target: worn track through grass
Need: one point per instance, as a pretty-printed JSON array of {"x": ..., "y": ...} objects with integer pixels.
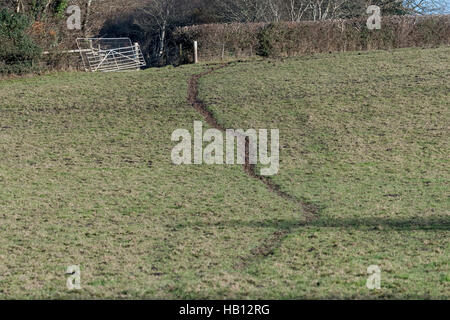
[{"x": 310, "y": 210}]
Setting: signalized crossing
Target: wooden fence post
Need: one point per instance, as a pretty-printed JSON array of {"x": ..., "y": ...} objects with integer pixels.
[
  {"x": 195, "y": 52},
  {"x": 136, "y": 52},
  {"x": 223, "y": 51}
]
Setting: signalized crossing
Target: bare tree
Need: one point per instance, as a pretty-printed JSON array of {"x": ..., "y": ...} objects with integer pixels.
[
  {"x": 96, "y": 12},
  {"x": 242, "y": 10},
  {"x": 274, "y": 10},
  {"x": 296, "y": 9},
  {"x": 159, "y": 12},
  {"x": 19, "y": 6},
  {"x": 86, "y": 17},
  {"x": 425, "y": 6},
  {"x": 327, "y": 9},
  {"x": 281, "y": 10}
]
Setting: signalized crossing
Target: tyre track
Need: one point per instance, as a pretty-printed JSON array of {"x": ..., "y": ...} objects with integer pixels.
[{"x": 309, "y": 209}]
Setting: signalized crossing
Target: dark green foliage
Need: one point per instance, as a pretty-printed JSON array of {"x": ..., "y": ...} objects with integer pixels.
[
  {"x": 60, "y": 7},
  {"x": 17, "y": 51},
  {"x": 265, "y": 40}
]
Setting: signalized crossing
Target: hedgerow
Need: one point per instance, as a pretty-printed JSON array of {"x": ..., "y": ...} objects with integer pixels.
[{"x": 295, "y": 38}]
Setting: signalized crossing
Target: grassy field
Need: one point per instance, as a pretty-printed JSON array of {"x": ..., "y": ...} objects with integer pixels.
[{"x": 86, "y": 179}]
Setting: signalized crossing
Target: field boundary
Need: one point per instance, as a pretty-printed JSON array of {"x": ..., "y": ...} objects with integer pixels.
[{"x": 285, "y": 39}]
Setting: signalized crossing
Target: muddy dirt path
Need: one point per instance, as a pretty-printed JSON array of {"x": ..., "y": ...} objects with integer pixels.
[{"x": 309, "y": 210}]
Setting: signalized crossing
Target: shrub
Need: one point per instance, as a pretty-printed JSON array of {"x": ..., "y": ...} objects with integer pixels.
[
  {"x": 265, "y": 41},
  {"x": 18, "y": 52}
]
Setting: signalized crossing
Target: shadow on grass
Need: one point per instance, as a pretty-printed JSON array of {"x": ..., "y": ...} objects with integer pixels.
[{"x": 372, "y": 223}]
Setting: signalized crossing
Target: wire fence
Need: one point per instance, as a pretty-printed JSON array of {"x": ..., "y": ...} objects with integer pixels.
[
  {"x": 214, "y": 51},
  {"x": 223, "y": 51}
]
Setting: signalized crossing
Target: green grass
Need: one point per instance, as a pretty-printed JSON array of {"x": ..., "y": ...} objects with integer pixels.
[
  {"x": 365, "y": 137},
  {"x": 86, "y": 179}
]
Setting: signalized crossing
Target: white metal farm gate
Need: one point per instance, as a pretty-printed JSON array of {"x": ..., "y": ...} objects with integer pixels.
[{"x": 110, "y": 54}]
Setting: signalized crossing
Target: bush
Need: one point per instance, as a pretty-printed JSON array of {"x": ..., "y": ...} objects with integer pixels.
[
  {"x": 265, "y": 41},
  {"x": 18, "y": 52}
]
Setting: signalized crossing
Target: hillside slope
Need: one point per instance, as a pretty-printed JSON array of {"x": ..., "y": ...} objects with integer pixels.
[{"x": 86, "y": 179}]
